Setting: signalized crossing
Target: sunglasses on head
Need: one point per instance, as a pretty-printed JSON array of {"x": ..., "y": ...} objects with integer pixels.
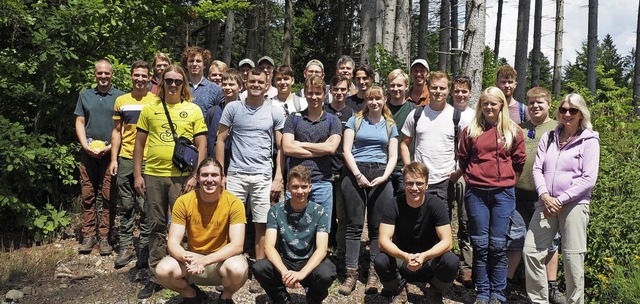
[
  {"x": 572, "y": 111},
  {"x": 462, "y": 77},
  {"x": 532, "y": 133},
  {"x": 171, "y": 81}
]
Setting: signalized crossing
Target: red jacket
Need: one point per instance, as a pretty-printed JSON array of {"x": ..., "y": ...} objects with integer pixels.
[{"x": 486, "y": 163}]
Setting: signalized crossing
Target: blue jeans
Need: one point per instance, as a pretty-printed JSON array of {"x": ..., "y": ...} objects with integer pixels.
[
  {"x": 321, "y": 194},
  {"x": 488, "y": 210}
]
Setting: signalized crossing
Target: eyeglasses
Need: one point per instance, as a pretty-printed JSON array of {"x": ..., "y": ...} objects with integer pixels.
[
  {"x": 572, "y": 111},
  {"x": 532, "y": 133},
  {"x": 414, "y": 184},
  {"x": 171, "y": 81}
]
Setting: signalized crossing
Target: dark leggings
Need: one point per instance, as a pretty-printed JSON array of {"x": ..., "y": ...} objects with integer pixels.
[{"x": 356, "y": 201}]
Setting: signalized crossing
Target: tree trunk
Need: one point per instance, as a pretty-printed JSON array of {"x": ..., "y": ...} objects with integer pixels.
[
  {"x": 340, "y": 28},
  {"x": 472, "y": 58},
  {"x": 496, "y": 50},
  {"x": 402, "y": 38},
  {"x": 522, "y": 45},
  {"x": 213, "y": 35},
  {"x": 379, "y": 21},
  {"x": 288, "y": 32},
  {"x": 251, "y": 21},
  {"x": 368, "y": 34},
  {"x": 444, "y": 36},
  {"x": 263, "y": 27},
  {"x": 557, "y": 49},
  {"x": 228, "y": 37},
  {"x": 592, "y": 45},
  {"x": 389, "y": 24},
  {"x": 455, "y": 64},
  {"x": 423, "y": 29},
  {"x": 536, "y": 53},
  {"x": 636, "y": 75}
]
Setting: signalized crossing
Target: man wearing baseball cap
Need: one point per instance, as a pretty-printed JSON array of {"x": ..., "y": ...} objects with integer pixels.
[
  {"x": 419, "y": 92},
  {"x": 244, "y": 67},
  {"x": 315, "y": 68}
]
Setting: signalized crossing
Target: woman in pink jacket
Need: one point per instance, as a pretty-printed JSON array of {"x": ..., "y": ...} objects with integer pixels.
[{"x": 564, "y": 173}]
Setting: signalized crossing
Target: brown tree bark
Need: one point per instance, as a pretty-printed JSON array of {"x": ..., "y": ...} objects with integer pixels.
[
  {"x": 288, "y": 32},
  {"x": 423, "y": 29},
  {"x": 444, "y": 36},
  {"x": 522, "y": 44},
  {"x": 592, "y": 45},
  {"x": 557, "y": 49},
  {"x": 472, "y": 58},
  {"x": 496, "y": 44},
  {"x": 228, "y": 37},
  {"x": 536, "y": 53}
]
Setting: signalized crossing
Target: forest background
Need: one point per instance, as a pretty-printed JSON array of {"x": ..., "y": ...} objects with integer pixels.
[{"x": 47, "y": 51}]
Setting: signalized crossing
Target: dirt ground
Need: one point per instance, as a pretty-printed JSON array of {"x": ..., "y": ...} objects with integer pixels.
[{"x": 96, "y": 281}]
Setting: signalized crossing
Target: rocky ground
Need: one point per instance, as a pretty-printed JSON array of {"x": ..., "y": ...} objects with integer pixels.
[{"x": 93, "y": 279}]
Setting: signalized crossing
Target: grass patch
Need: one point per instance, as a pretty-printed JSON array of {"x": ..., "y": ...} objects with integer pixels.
[{"x": 30, "y": 263}]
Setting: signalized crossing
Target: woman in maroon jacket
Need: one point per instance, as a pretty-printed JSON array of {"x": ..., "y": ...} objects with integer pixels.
[{"x": 491, "y": 156}]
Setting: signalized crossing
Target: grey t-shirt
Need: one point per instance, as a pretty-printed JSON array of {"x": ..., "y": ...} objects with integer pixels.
[{"x": 253, "y": 135}]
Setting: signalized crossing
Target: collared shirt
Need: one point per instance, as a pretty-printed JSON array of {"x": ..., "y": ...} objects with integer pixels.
[
  {"x": 424, "y": 98},
  {"x": 206, "y": 94},
  {"x": 153, "y": 85},
  {"x": 97, "y": 110}
]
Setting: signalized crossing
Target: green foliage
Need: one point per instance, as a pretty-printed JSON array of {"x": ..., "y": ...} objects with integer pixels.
[
  {"x": 217, "y": 10},
  {"x": 36, "y": 171},
  {"x": 490, "y": 68},
  {"x": 613, "y": 235},
  {"x": 546, "y": 72},
  {"x": 47, "y": 222},
  {"x": 383, "y": 62},
  {"x": 624, "y": 285}
]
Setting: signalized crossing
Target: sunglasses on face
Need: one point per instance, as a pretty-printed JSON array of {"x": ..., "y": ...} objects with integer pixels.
[
  {"x": 572, "y": 111},
  {"x": 171, "y": 81},
  {"x": 414, "y": 184}
]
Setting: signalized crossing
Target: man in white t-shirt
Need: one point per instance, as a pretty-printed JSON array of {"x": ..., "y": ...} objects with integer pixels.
[{"x": 435, "y": 137}]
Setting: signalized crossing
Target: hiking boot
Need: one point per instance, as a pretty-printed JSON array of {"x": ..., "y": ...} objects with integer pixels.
[
  {"x": 87, "y": 244},
  {"x": 148, "y": 290},
  {"x": 219, "y": 288},
  {"x": 125, "y": 255},
  {"x": 479, "y": 301},
  {"x": 434, "y": 295},
  {"x": 254, "y": 286},
  {"x": 372, "y": 282},
  {"x": 349, "y": 283},
  {"x": 143, "y": 258},
  {"x": 555, "y": 295},
  {"x": 105, "y": 248},
  {"x": 495, "y": 301},
  {"x": 400, "y": 297}
]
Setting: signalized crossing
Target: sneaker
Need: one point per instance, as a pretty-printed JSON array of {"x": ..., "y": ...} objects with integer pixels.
[
  {"x": 105, "y": 248},
  {"x": 219, "y": 288},
  {"x": 143, "y": 258},
  {"x": 400, "y": 297},
  {"x": 87, "y": 244},
  {"x": 254, "y": 286},
  {"x": 349, "y": 283},
  {"x": 125, "y": 255},
  {"x": 372, "y": 282},
  {"x": 149, "y": 289},
  {"x": 555, "y": 295},
  {"x": 434, "y": 295}
]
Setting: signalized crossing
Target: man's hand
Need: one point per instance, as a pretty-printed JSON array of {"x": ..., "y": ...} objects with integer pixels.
[
  {"x": 415, "y": 262},
  {"x": 377, "y": 181},
  {"x": 292, "y": 279},
  {"x": 276, "y": 189},
  {"x": 113, "y": 168},
  {"x": 189, "y": 185},
  {"x": 195, "y": 263},
  {"x": 138, "y": 184}
]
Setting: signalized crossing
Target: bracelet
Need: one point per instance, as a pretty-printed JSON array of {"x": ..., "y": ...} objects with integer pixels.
[{"x": 359, "y": 176}]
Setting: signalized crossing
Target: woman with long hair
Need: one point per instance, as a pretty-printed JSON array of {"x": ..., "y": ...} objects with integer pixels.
[
  {"x": 370, "y": 154},
  {"x": 564, "y": 173},
  {"x": 491, "y": 155}
]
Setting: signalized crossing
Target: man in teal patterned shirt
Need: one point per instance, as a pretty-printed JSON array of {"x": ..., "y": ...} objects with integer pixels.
[{"x": 296, "y": 244}]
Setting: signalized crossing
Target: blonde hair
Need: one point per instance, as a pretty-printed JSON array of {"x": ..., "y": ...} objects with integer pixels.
[
  {"x": 505, "y": 126},
  {"x": 377, "y": 91},
  {"x": 185, "y": 91},
  {"x": 578, "y": 102},
  {"x": 221, "y": 66},
  {"x": 398, "y": 73}
]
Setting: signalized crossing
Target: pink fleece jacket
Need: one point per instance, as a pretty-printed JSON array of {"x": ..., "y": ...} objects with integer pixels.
[{"x": 570, "y": 173}]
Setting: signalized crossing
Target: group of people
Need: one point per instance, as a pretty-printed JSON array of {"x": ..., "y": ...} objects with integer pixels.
[{"x": 306, "y": 171}]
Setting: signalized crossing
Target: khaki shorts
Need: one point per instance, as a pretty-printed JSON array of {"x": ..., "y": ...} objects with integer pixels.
[{"x": 210, "y": 276}]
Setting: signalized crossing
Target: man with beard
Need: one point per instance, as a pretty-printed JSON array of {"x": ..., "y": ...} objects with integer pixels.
[{"x": 125, "y": 117}]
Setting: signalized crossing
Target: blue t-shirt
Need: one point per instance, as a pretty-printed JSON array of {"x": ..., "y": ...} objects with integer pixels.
[
  {"x": 371, "y": 141},
  {"x": 206, "y": 95},
  {"x": 253, "y": 135}
]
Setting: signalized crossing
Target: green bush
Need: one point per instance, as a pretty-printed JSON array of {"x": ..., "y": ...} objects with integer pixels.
[
  {"x": 383, "y": 62},
  {"x": 36, "y": 174},
  {"x": 613, "y": 235}
]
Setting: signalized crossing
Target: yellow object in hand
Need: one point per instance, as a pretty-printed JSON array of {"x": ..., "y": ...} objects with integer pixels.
[{"x": 97, "y": 145}]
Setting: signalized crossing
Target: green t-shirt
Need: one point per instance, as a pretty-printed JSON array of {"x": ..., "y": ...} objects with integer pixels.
[
  {"x": 400, "y": 114},
  {"x": 297, "y": 230},
  {"x": 525, "y": 181},
  {"x": 97, "y": 110}
]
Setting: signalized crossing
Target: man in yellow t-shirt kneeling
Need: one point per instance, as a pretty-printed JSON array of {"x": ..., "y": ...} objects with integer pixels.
[{"x": 214, "y": 220}]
